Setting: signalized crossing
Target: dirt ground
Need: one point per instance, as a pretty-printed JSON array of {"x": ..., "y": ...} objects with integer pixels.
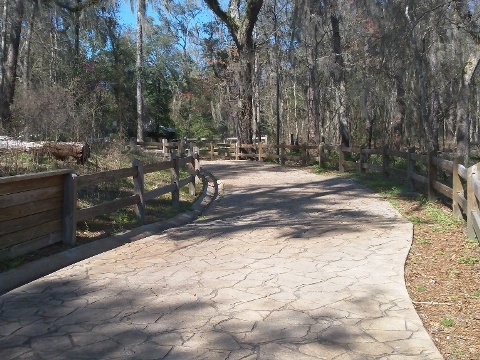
[{"x": 442, "y": 274}]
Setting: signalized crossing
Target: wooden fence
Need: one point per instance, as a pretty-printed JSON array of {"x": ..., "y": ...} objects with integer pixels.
[
  {"x": 38, "y": 210},
  {"x": 419, "y": 171}
]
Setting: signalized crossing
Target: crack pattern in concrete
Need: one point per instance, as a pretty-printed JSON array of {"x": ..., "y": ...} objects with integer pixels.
[{"x": 287, "y": 265}]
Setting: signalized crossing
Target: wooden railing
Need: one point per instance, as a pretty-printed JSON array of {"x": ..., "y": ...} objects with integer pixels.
[
  {"x": 419, "y": 171},
  {"x": 38, "y": 210}
]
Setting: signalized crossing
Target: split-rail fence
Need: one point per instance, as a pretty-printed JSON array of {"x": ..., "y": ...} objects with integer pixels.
[
  {"x": 428, "y": 173},
  {"x": 37, "y": 210}
]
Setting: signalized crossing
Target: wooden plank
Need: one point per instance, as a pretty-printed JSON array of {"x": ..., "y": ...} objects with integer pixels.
[
  {"x": 472, "y": 203},
  {"x": 184, "y": 182},
  {"x": 31, "y": 245},
  {"x": 462, "y": 171},
  {"x": 374, "y": 167},
  {"x": 22, "y": 210},
  {"x": 185, "y": 161},
  {"x": 476, "y": 223},
  {"x": 292, "y": 147},
  {"x": 29, "y": 221},
  {"x": 147, "y": 143},
  {"x": 152, "y": 194},
  {"x": 397, "y": 153},
  {"x": 476, "y": 186},
  {"x": 70, "y": 201},
  {"x": 105, "y": 208},
  {"x": 105, "y": 176},
  {"x": 443, "y": 189},
  {"x": 352, "y": 150},
  {"x": 443, "y": 164},
  {"x": 462, "y": 201},
  {"x": 420, "y": 158},
  {"x": 30, "y": 196},
  {"x": 371, "y": 151},
  {"x": 36, "y": 176},
  {"x": 397, "y": 172},
  {"x": 419, "y": 178},
  {"x": 30, "y": 184},
  {"x": 149, "y": 168},
  {"x": 30, "y": 233}
]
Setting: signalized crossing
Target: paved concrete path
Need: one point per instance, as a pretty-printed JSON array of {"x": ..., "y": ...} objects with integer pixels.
[{"x": 287, "y": 265}]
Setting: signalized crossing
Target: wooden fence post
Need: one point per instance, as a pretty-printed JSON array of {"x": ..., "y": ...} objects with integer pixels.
[
  {"x": 321, "y": 155},
  {"x": 304, "y": 154},
  {"x": 132, "y": 143},
  {"x": 410, "y": 185},
  {"x": 139, "y": 189},
  {"x": 164, "y": 146},
  {"x": 237, "y": 150},
  {"x": 195, "y": 168},
  {"x": 212, "y": 154},
  {"x": 457, "y": 188},
  {"x": 362, "y": 161},
  {"x": 70, "y": 188},
  {"x": 385, "y": 161},
  {"x": 181, "y": 146},
  {"x": 472, "y": 204},
  {"x": 175, "y": 171},
  {"x": 260, "y": 152},
  {"x": 432, "y": 176},
  {"x": 341, "y": 158},
  {"x": 282, "y": 153}
]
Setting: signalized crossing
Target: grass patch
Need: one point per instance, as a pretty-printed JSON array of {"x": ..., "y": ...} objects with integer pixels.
[
  {"x": 469, "y": 260},
  {"x": 424, "y": 240},
  {"x": 447, "y": 322},
  {"x": 421, "y": 288}
]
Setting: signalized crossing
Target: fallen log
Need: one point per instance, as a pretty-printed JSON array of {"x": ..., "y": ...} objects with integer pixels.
[{"x": 63, "y": 150}]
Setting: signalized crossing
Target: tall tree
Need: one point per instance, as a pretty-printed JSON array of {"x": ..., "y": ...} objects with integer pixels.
[
  {"x": 241, "y": 26},
  {"x": 141, "y": 14},
  {"x": 10, "y": 61}
]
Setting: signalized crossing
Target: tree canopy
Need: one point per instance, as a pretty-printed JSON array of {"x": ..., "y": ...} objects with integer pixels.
[{"x": 400, "y": 73}]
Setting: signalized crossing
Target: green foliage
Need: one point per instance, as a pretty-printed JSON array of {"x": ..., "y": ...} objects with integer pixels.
[
  {"x": 423, "y": 240},
  {"x": 469, "y": 260},
  {"x": 421, "y": 288},
  {"x": 447, "y": 322},
  {"x": 443, "y": 221}
]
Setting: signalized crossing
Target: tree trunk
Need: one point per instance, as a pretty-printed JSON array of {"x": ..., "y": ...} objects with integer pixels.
[
  {"x": 141, "y": 11},
  {"x": 3, "y": 42},
  {"x": 241, "y": 30},
  {"x": 339, "y": 79},
  {"x": 398, "y": 116},
  {"x": 11, "y": 60},
  {"x": 28, "y": 43},
  {"x": 463, "y": 102}
]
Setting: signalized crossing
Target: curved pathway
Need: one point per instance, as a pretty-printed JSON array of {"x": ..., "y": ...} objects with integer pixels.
[{"x": 286, "y": 265}]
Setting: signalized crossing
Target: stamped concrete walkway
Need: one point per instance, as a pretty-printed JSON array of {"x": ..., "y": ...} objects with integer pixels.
[{"x": 286, "y": 265}]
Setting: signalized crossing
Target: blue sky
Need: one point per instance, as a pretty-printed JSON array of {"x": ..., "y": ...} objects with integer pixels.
[{"x": 127, "y": 18}]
